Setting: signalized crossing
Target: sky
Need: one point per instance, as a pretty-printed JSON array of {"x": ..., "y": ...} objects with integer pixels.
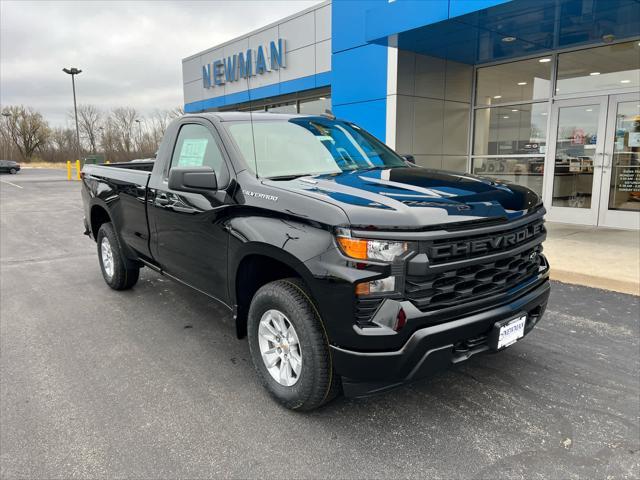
[{"x": 130, "y": 52}]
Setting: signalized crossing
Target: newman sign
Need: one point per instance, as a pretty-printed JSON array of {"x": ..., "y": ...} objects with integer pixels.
[{"x": 241, "y": 65}]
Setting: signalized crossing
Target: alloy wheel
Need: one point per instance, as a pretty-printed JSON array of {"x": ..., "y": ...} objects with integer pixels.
[
  {"x": 280, "y": 347},
  {"x": 107, "y": 257}
]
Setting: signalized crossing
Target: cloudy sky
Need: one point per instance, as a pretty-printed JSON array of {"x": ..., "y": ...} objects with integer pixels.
[{"x": 130, "y": 52}]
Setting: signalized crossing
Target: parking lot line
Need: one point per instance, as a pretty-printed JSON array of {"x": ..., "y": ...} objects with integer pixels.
[{"x": 9, "y": 183}]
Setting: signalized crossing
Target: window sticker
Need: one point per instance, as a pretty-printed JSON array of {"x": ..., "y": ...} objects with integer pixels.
[{"x": 192, "y": 152}]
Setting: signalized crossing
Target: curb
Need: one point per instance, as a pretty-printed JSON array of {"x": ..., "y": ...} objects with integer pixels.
[{"x": 594, "y": 281}]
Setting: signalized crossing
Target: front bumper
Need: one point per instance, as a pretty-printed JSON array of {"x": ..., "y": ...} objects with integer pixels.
[{"x": 432, "y": 348}]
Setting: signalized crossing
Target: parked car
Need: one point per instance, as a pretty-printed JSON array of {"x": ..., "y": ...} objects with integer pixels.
[
  {"x": 348, "y": 268},
  {"x": 9, "y": 166}
]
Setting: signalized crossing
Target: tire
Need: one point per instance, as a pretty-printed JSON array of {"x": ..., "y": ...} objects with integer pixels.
[
  {"x": 13, "y": 171},
  {"x": 315, "y": 383},
  {"x": 118, "y": 272}
]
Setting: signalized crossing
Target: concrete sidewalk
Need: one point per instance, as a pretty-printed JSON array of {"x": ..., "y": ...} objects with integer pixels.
[{"x": 596, "y": 257}]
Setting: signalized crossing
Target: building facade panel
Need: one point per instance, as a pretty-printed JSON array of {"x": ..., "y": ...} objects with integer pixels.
[
  {"x": 323, "y": 56},
  {"x": 323, "y": 24},
  {"x": 304, "y": 63},
  {"x": 192, "y": 70},
  {"x": 299, "y": 31},
  {"x": 300, "y": 63}
]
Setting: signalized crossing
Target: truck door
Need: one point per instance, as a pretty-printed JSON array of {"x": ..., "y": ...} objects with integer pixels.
[{"x": 189, "y": 241}]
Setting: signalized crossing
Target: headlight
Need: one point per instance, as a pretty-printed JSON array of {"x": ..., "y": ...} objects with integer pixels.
[{"x": 364, "y": 249}]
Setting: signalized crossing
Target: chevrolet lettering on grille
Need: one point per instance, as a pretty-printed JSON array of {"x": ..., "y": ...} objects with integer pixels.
[{"x": 486, "y": 244}]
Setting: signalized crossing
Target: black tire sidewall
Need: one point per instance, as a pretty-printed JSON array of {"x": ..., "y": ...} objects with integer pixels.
[
  {"x": 305, "y": 323},
  {"x": 120, "y": 274}
]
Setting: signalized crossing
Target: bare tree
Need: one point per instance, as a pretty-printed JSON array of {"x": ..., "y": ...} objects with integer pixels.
[
  {"x": 122, "y": 122},
  {"x": 176, "y": 112},
  {"x": 89, "y": 122},
  {"x": 61, "y": 145},
  {"x": 8, "y": 150},
  {"x": 109, "y": 140},
  {"x": 27, "y": 129},
  {"x": 62, "y": 138},
  {"x": 159, "y": 121}
]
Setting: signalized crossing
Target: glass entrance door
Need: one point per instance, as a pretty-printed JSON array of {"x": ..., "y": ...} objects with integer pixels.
[
  {"x": 592, "y": 171},
  {"x": 620, "y": 199},
  {"x": 574, "y": 165}
]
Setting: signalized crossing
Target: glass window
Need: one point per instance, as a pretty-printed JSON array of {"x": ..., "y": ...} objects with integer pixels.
[
  {"x": 602, "y": 68},
  {"x": 196, "y": 147},
  {"x": 519, "y": 129},
  {"x": 304, "y": 146},
  {"x": 514, "y": 82},
  {"x": 283, "y": 108},
  {"x": 625, "y": 174},
  {"x": 575, "y": 155},
  {"x": 315, "y": 106},
  {"x": 521, "y": 170}
]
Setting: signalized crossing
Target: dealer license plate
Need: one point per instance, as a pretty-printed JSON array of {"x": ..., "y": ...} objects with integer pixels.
[{"x": 511, "y": 332}]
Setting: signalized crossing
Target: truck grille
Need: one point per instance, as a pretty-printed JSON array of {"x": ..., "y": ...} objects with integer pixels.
[
  {"x": 475, "y": 246},
  {"x": 458, "y": 285},
  {"x": 465, "y": 268}
]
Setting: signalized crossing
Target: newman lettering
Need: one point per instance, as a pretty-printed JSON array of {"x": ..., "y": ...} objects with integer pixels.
[{"x": 242, "y": 65}]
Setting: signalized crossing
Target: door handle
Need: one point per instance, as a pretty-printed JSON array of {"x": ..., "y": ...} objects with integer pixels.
[
  {"x": 162, "y": 200},
  {"x": 607, "y": 158},
  {"x": 596, "y": 164}
]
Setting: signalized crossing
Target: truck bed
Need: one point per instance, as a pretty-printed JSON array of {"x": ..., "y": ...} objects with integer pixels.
[
  {"x": 137, "y": 173},
  {"x": 146, "y": 166}
]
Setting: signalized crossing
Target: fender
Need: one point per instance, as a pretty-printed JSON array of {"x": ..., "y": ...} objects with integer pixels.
[
  {"x": 288, "y": 241},
  {"x": 97, "y": 202},
  {"x": 132, "y": 257},
  {"x": 125, "y": 203}
]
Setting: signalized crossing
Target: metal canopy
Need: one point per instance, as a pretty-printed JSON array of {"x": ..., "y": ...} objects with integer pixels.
[{"x": 523, "y": 27}]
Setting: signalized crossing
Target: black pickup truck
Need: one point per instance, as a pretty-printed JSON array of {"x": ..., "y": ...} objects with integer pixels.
[{"x": 346, "y": 266}]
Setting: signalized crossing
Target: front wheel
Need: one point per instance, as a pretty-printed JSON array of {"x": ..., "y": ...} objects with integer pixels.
[
  {"x": 118, "y": 272},
  {"x": 289, "y": 346},
  {"x": 13, "y": 171}
]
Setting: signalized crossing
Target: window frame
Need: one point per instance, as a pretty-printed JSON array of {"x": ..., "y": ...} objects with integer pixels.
[
  {"x": 262, "y": 105},
  {"x": 224, "y": 176}
]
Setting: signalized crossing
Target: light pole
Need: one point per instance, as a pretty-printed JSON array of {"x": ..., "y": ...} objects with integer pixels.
[
  {"x": 139, "y": 122},
  {"x": 6, "y": 116},
  {"x": 73, "y": 71}
]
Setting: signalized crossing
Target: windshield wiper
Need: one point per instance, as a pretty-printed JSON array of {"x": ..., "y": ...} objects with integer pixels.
[
  {"x": 367, "y": 169},
  {"x": 288, "y": 177}
]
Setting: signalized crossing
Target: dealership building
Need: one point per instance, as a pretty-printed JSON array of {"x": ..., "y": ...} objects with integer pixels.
[{"x": 543, "y": 93}]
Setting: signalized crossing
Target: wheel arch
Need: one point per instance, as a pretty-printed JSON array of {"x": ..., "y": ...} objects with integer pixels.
[
  {"x": 98, "y": 215},
  {"x": 256, "y": 265}
]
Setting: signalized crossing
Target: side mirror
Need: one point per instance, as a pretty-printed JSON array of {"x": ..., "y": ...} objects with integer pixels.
[
  {"x": 409, "y": 158},
  {"x": 193, "y": 179}
]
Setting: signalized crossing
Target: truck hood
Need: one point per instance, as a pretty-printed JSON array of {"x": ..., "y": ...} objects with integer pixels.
[{"x": 413, "y": 197}]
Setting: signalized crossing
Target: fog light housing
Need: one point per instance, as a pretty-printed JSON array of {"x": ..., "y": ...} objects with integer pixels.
[{"x": 382, "y": 285}]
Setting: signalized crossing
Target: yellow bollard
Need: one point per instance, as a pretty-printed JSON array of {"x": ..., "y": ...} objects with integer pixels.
[
  {"x": 68, "y": 169},
  {"x": 78, "y": 169}
]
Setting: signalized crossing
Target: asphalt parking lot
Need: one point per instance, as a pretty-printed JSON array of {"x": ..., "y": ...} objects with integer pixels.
[{"x": 151, "y": 383}]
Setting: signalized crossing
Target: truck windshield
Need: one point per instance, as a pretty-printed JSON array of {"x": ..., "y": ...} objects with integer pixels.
[{"x": 309, "y": 146}]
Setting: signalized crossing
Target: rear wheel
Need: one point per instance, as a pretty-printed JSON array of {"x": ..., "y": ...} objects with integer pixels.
[
  {"x": 118, "y": 272},
  {"x": 289, "y": 346}
]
